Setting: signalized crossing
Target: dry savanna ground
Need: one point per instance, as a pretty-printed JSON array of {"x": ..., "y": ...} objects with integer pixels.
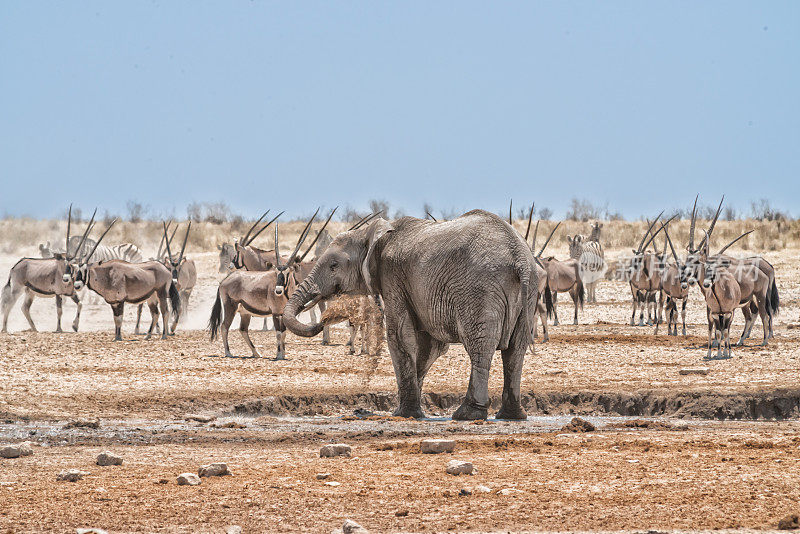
[{"x": 658, "y": 458}]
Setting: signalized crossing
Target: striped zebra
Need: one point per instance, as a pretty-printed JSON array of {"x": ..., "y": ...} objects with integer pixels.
[
  {"x": 124, "y": 251},
  {"x": 589, "y": 253}
]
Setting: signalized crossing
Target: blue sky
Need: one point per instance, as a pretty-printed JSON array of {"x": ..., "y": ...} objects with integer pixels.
[{"x": 460, "y": 104}]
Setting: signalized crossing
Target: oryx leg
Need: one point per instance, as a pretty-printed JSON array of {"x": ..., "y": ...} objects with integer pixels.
[
  {"x": 229, "y": 312},
  {"x": 542, "y": 313},
  {"x": 634, "y": 297},
  {"x": 555, "y": 310},
  {"x": 266, "y": 327},
  {"x": 352, "y": 342},
  {"x": 280, "y": 335},
  {"x": 728, "y": 320},
  {"x": 26, "y": 310},
  {"x": 749, "y": 320},
  {"x": 10, "y": 295},
  {"x": 138, "y": 318},
  {"x": 710, "y": 331},
  {"x": 79, "y": 306},
  {"x": 764, "y": 313},
  {"x": 58, "y": 313},
  {"x": 117, "y": 309},
  {"x": 575, "y": 300},
  {"x": 641, "y": 296},
  {"x": 244, "y": 326},
  {"x": 163, "y": 305},
  {"x": 153, "y": 307}
]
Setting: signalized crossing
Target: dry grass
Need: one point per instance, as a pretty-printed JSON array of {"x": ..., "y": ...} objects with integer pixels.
[{"x": 22, "y": 235}]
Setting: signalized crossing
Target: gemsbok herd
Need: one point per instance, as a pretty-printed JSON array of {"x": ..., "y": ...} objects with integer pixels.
[{"x": 259, "y": 282}]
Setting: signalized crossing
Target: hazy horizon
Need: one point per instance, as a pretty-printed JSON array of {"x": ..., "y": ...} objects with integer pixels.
[{"x": 637, "y": 106}]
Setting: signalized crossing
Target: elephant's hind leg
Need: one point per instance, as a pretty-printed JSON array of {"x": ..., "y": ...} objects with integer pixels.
[
  {"x": 476, "y": 402},
  {"x": 513, "y": 358}
]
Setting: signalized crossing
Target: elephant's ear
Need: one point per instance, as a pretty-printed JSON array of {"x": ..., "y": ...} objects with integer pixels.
[{"x": 369, "y": 268}]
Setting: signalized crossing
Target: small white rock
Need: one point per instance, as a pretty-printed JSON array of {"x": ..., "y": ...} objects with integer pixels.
[
  {"x": 457, "y": 467},
  {"x": 188, "y": 479},
  {"x": 351, "y": 527},
  {"x": 90, "y": 531},
  {"x": 108, "y": 458},
  {"x": 71, "y": 475},
  {"x": 213, "y": 470},
  {"x": 509, "y": 491},
  {"x": 333, "y": 484},
  {"x": 437, "y": 446},
  {"x": 335, "y": 449},
  {"x": 323, "y": 476},
  {"x": 16, "y": 450},
  {"x": 483, "y": 489},
  {"x": 233, "y": 529}
]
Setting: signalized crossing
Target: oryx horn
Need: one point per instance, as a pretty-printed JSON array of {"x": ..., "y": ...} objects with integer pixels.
[
  {"x": 254, "y": 236},
  {"x": 97, "y": 243},
  {"x": 707, "y": 238},
  {"x": 185, "y": 239},
  {"x": 693, "y": 223},
  {"x": 161, "y": 242},
  {"x": 510, "y": 205},
  {"x": 674, "y": 254},
  {"x": 302, "y": 238},
  {"x": 85, "y": 234},
  {"x": 365, "y": 220},
  {"x": 69, "y": 224},
  {"x": 277, "y": 250},
  {"x": 723, "y": 249},
  {"x": 654, "y": 234},
  {"x": 169, "y": 250},
  {"x": 548, "y": 239},
  {"x": 431, "y": 216},
  {"x": 319, "y": 233},
  {"x": 530, "y": 218},
  {"x": 535, "y": 231},
  {"x": 244, "y": 239},
  {"x": 649, "y": 229}
]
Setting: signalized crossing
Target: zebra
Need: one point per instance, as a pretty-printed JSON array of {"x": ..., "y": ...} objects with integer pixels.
[{"x": 590, "y": 256}]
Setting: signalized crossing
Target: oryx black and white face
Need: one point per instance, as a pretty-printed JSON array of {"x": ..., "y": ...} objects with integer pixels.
[{"x": 80, "y": 275}]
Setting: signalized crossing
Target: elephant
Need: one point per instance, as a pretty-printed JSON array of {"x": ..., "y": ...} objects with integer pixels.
[{"x": 468, "y": 280}]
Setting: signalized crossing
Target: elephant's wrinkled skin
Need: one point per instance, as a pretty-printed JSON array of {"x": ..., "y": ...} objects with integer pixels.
[{"x": 468, "y": 280}]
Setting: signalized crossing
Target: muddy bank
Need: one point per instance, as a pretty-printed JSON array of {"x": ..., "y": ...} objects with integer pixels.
[{"x": 776, "y": 404}]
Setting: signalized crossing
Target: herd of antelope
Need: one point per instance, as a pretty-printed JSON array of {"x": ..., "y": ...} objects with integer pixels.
[{"x": 259, "y": 282}]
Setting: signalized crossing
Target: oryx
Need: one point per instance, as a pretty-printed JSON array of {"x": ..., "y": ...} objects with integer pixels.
[
  {"x": 644, "y": 276},
  {"x": 562, "y": 276},
  {"x": 260, "y": 293},
  {"x": 184, "y": 271},
  {"x": 44, "y": 277},
  {"x": 119, "y": 281},
  {"x": 543, "y": 309},
  {"x": 755, "y": 276},
  {"x": 723, "y": 295},
  {"x": 675, "y": 289}
]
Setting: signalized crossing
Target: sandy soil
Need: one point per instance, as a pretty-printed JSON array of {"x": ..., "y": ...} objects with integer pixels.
[{"x": 714, "y": 475}]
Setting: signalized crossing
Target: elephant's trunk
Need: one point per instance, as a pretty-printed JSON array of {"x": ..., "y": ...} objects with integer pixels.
[{"x": 303, "y": 294}]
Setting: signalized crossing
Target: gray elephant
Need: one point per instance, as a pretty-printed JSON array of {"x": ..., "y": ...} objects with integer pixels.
[{"x": 469, "y": 280}]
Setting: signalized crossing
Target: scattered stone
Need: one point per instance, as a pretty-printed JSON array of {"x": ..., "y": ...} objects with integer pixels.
[
  {"x": 437, "y": 446},
  {"x": 199, "y": 418},
  {"x": 162, "y": 481},
  {"x": 790, "y": 522},
  {"x": 335, "y": 449},
  {"x": 71, "y": 475},
  {"x": 90, "y": 531},
  {"x": 233, "y": 529},
  {"x": 83, "y": 423},
  {"x": 323, "y": 476},
  {"x": 694, "y": 371},
  {"x": 457, "y": 467},
  {"x": 483, "y": 489},
  {"x": 229, "y": 424},
  {"x": 401, "y": 513},
  {"x": 333, "y": 484},
  {"x": 108, "y": 458},
  {"x": 510, "y": 491},
  {"x": 214, "y": 470},
  {"x": 465, "y": 491},
  {"x": 188, "y": 479},
  {"x": 16, "y": 450},
  {"x": 351, "y": 527},
  {"x": 578, "y": 425}
]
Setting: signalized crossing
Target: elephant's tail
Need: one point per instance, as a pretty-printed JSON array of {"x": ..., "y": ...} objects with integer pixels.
[{"x": 524, "y": 273}]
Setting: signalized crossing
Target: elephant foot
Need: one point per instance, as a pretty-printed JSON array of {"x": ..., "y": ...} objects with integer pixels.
[
  {"x": 409, "y": 412},
  {"x": 512, "y": 413},
  {"x": 466, "y": 412}
]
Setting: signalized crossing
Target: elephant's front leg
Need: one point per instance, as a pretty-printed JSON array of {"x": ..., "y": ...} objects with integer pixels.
[{"x": 402, "y": 341}]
